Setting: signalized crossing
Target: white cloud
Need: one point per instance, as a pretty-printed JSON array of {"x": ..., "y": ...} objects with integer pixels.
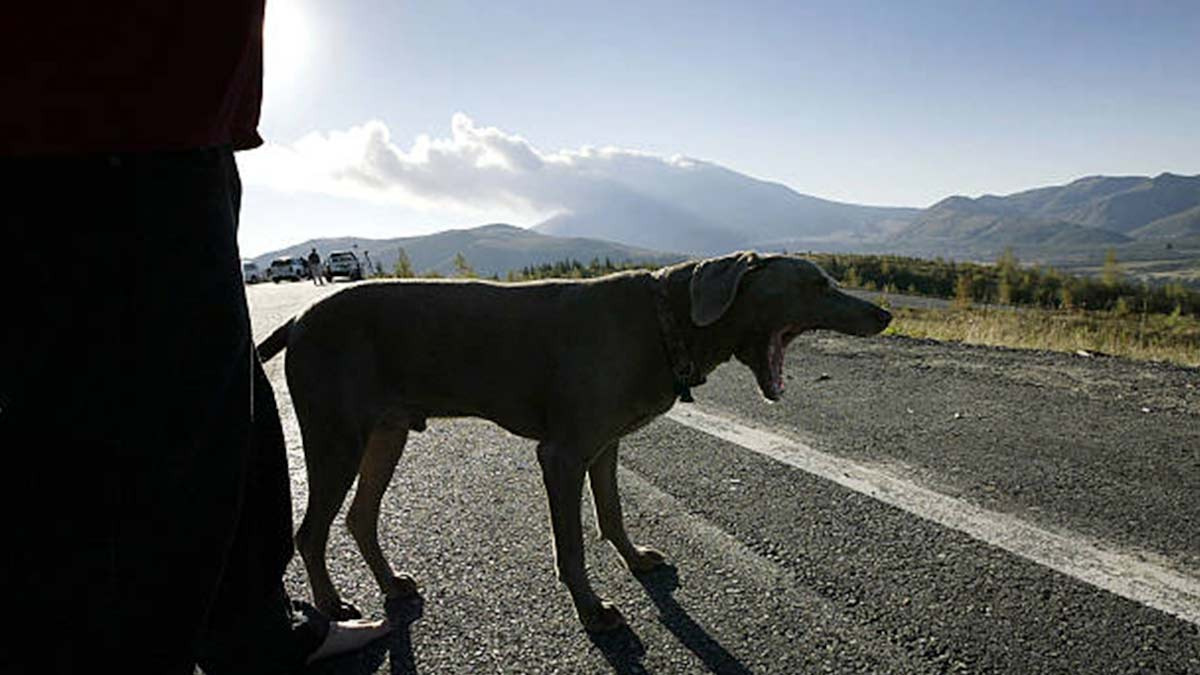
[{"x": 475, "y": 170}]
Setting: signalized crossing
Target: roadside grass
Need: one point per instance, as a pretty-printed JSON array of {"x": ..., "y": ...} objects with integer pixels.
[{"x": 1173, "y": 338}]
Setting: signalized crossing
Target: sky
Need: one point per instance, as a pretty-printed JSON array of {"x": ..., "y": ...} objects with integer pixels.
[{"x": 387, "y": 118}]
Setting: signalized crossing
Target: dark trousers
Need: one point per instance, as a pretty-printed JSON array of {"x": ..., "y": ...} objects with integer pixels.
[{"x": 144, "y": 500}]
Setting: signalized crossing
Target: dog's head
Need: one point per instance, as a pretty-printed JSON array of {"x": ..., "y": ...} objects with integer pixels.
[{"x": 770, "y": 299}]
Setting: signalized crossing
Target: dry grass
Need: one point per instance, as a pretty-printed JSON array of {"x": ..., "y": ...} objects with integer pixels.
[{"x": 1153, "y": 337}]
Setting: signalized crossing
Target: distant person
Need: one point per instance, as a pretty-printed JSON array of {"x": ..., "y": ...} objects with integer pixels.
[
  {"x": 314, "y": 267},
  {"x": 145, "y": 493}
]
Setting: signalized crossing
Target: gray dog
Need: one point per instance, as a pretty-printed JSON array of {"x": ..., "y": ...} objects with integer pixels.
[{"x": 573, "y": 365}]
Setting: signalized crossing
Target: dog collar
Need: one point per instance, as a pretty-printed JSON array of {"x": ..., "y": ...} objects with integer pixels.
[{"x": 683, "y": 369}]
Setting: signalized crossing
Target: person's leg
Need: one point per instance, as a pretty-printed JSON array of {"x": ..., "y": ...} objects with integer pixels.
[
  {"x": 252, "y": 626},
  {"x": 191, "y": 385},
  {"x": 59, "y": 489},
  {"x": 125, "y": 429}
]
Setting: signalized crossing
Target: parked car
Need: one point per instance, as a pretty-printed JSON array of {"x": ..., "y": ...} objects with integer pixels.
[
  {"x": 250, "y": 272},
  {"x": 343, "y": 264},
  {"x": 287, "y": 267}
]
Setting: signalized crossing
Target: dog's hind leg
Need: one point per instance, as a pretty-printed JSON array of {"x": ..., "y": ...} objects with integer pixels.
[
  {"x": 331, "y": 463},
  {"x": 603, "y": 477},
  {"x": 384, "y": 447},
  {"x": 562, "y": 473}
]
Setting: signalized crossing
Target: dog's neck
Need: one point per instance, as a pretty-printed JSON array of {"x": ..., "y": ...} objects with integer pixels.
[{"x": 683, "y": 368}]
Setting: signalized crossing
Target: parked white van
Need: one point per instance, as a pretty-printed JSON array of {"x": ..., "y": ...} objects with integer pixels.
[{"x": 287, "y": 267}]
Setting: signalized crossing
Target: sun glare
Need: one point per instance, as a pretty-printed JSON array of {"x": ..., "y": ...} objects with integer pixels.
[{"x": 285, "y": 42}]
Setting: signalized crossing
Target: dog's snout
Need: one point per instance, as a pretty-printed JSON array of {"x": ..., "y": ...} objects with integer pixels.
[{"x": 883, "y": 316}]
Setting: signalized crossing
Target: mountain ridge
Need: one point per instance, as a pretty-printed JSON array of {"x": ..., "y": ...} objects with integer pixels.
[{"x": 1093, "y": 209}]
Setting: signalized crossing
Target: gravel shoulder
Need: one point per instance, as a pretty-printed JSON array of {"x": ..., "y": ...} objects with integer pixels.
[{"x": 1106, "y": 447}]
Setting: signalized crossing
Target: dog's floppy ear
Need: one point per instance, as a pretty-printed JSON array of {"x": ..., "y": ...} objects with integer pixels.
[{"x": 715, "y": 283}]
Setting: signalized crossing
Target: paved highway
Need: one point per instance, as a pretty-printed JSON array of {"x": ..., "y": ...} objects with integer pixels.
[{"x": 910, "y": 507}]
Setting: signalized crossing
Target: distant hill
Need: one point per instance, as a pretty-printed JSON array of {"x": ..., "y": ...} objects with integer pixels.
[
  {"x": 984, "y": 222},
  {"x": 1097, "y": 210},
  {"x": 1142, "y": 202},
  {"x": 1176, "y": 226},
  {"x": 490, "y": 249}
]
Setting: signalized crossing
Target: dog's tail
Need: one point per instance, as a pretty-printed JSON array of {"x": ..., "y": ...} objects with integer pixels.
[{"x": 276, "y": 342}]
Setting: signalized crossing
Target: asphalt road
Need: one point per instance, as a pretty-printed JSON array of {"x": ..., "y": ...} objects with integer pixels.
[{"x": 777, "y": 570}]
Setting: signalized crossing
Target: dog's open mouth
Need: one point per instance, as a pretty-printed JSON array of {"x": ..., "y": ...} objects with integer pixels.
[{"x": 767, "y": 364}]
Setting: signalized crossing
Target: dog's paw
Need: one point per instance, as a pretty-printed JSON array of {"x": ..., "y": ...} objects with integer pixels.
[
  {"x": 601, "y": 618},
  {"x": 401, "y": 586},
  {"x": 645, "y": 559}
]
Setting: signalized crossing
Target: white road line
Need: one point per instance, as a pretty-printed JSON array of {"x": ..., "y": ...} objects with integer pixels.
[{"x": 1126, "y": 575}]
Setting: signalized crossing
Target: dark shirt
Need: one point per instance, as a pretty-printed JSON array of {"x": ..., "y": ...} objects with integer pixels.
[{"x": 87, "y": 76}]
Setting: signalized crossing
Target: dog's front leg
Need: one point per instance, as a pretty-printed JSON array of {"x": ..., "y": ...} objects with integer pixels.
[
  {"x": 562, "y": 473},
  {"x": 603, "y": 477}
]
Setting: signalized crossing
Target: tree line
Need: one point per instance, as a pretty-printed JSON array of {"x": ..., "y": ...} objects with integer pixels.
[
  {"x": 1006, "y": 282},
  {"x": 573, "y": 269},
  {"x": 569, "y": 268}
]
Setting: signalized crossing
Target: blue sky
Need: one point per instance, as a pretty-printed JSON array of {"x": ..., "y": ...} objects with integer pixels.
[{"x": 893, "y": 103}]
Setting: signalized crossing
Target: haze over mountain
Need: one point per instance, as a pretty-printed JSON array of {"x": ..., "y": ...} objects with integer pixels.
[{"x": 702, "y": 208}]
